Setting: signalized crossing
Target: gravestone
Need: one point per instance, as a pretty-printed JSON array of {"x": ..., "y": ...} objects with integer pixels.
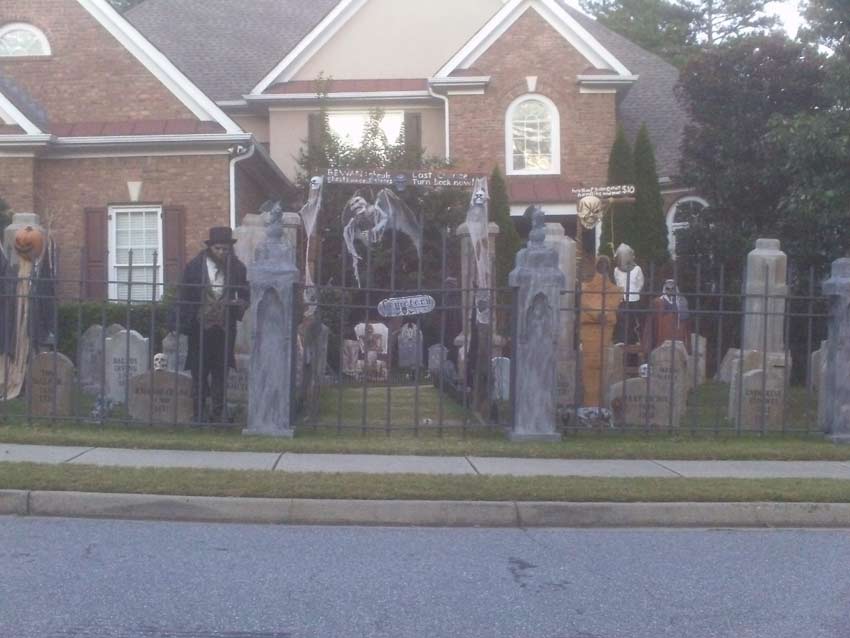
[
  {"x": 724, "y": 370},
  {"x": 90, "y": 359},
  {"x": 350, "y": 357},
  {"x": 52, "y": 384},
  {"x": 762, "y": 400},
  {"x": 161, "y": 396},
  {"x": 176, "y": 348},
  {"x": 436, "y": 355},
  {"x": 765, "y": 292},
  {"x": 614, "y": 369},
  {"x": 113, "y": 329},
  {"x": 409, "y": 346},
  {"x": 755, "y": 361},
  {"x": 696, "y": 360},
  {"x": 565, "y": 246},
  {"x": 835, "y": 413},
  {"x": 237, "y": 380},
  {"x": 817, "y": 367},
  {"x": 501, "y": 378},
  {"x": 658, "y": 400},
  {"x": 540, "y": 281},
  {"x": 272, "y": 276},
  {"x": 126, "y": 356}
]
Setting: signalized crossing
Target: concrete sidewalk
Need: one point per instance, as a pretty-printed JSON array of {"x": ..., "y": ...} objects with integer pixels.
[{"x": 385, "y": 464}]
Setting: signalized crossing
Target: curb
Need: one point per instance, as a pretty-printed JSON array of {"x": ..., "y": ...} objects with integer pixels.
[{"x": 420, "y": 513}]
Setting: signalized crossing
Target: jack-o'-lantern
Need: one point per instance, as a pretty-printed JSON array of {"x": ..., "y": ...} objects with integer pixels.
[{"x": 29, "y": 243}]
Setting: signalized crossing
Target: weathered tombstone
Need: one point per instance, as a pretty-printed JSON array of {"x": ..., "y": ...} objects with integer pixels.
[
  {"x": 754, "y": 361},
  {"x": 762, "y": 400},
  {"x": 659, "y": 399},
  {"x": 724, "y": 371},
  {"x": 237, "y": 380},
  {"x": 614, "y": 369},
  {"x": 436, "y": 355},
  {"x": 409, "y": 346},
  {"x": 113, "y": 329},
  {"x": 501, "y": 378},
  {"x": 817, "y": 367},
  {"x": 835, "y": 412},
  {"x": 52, "y": 383},
  {"x": 765, "y": 295},
  {"x": 176, "y": 348},
  {"x": 540, "y": 282},
  {"x": 161, "y": 396},
  {"x": 126, "y": 356},
  {"x": 696, "y": 360},
  {"x": 565, "y": 246},
  {"x": 272, "y": 276},
  {"x": 90, "y": 359}
]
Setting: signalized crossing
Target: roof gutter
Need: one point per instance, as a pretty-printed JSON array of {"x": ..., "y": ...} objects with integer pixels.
[
  {"x": 239, "y": 155},
  {"x": 112, "y": 141},
  {"x": 445, "y": 100}
]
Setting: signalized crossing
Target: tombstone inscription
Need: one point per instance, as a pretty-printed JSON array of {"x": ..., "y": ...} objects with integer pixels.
[
  {"x": 126, "y": 356},
  {"x": 51, "y": 385},
  {"x": 161, "y": 396}
]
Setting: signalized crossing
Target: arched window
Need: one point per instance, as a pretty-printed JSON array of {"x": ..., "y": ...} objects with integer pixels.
[
  {"x": 678, "y": 216},
  {"x": 533, "y": 140},
  {"x": 18, "y": 39}
]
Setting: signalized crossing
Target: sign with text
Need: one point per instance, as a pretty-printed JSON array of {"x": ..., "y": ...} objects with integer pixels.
[
  {"x": 406, "y": 306},
  {"x": 623, "y": 190},
  {"x": 433, "y": 179}
]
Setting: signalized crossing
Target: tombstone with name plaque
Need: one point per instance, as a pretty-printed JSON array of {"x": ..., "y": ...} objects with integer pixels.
[
  {"x": 161, "y": 396},
  {"x": 437, "y": 354}
]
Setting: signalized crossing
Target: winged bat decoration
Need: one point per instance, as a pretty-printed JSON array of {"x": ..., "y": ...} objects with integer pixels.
[{"x": 368, "y": 222}]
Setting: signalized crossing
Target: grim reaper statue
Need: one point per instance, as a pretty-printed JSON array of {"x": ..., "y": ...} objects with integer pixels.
[
  {"x": 478, "y": 223},
  {"x": 366, "y": 223}
]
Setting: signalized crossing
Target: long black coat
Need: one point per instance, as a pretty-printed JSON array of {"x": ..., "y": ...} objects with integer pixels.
[{"x": 190, "y": 296}]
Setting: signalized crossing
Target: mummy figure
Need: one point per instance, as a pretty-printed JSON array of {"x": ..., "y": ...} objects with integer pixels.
[{"x": 367, "y": 223}]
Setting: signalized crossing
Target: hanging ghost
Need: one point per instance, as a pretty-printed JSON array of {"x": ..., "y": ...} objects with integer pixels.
[
  {"x": 478, "y": 223},
  {"x": 309, "y": 216},
  {"x": 368, "y": 222}
]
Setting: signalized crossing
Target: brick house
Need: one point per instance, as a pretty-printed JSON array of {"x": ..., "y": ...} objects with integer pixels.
[
  {"x": 532, "y": 85},
  {"x": 183, "y": 115},
  {"x": 114, "y": 147}
]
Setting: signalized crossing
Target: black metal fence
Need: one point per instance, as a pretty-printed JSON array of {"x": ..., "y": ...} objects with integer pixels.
[{"x": 433, "y": 373}]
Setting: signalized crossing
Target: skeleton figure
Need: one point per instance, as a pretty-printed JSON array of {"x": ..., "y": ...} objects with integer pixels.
[
  {"x": 478, "y": 222},
  {"x": 160, "y": 361},
  {"x": 367, "y": 223},
  {"x": 309, "y": 215}
]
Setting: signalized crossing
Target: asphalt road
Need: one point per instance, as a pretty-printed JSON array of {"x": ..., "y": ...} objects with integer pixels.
[{"x": 62, "y": 578}]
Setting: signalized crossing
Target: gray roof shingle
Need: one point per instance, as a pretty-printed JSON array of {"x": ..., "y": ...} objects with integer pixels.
[{"x": 227, "y": 46}]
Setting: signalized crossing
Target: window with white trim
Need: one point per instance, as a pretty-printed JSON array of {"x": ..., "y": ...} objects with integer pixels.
[
  {"x": 135, "y": 232},
  {"x": 532, "y": 136},
  {"x": 19, "y": 39},
  {"x": 678, "y": 217},
  {"x": 349, "y": 126}
]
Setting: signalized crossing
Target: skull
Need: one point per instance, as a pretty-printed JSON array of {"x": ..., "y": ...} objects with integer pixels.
[
  {"x": 316, "y": 183},
  {"x": 359, "y": 206},
  {"x": 160, "y": 361},
  {"x": 479, "y": 198}
]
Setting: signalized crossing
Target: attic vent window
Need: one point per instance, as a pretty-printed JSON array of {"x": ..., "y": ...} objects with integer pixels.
[
  {"x": 22, "y": 40},
  {"x": 532, "y": 131}
]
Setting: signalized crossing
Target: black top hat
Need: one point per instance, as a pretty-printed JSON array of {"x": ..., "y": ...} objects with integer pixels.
[{"x": 220, "y": 235}]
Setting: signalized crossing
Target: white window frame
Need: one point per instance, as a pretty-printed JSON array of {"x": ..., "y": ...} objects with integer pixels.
[
  {"x": 555, "y": 117},
  {"x": 673, "y": 226},
  {"x": 113, "y": 266},
  {"x": 365, "y": 115},
  {"x": 38, "y": 33}
]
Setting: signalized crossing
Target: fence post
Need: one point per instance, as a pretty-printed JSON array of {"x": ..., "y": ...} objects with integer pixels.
[
  {"x": 273, "y": 277},
  {"x": 539, "y": 280},
  {"x": 835, "y": 412}
]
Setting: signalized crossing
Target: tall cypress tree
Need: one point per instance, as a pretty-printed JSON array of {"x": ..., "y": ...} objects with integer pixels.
[
  {"x": 650, "y": 240},
  {"x": 621, "y": 170},
  {"x": 508, "y": 241}
]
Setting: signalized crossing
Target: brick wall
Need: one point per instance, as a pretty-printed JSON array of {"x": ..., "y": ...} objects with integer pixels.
[
  {"x": 533, "y": 48},
  {"x": 90, "y": 77},
  {"x": 16, "y": 183},
  {"x": 67, "y": 187}
]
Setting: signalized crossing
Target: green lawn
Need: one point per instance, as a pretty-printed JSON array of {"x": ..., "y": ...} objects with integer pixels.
[{"x": 26, "y": 476}]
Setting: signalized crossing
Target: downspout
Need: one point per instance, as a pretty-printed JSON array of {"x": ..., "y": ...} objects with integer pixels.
[
  {"x": 238, "y": 157},
  {"x": 445, "y": 100}
]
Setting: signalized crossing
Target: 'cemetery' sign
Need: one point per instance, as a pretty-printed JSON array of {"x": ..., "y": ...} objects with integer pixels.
[
  {"x": 400, "y": 179},
  {"x": 406, "y": 306}
]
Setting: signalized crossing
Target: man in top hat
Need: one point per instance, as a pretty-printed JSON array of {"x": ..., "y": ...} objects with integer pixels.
[{"x": 211, "y": 299}]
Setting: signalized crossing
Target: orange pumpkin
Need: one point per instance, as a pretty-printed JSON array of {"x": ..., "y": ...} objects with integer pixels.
[{"x": 29, "y": 243}]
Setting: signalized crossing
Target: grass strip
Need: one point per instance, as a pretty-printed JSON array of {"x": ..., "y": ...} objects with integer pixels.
[
  {"x": 595, "y": 445},
  {"x": 187, "y": 482}
]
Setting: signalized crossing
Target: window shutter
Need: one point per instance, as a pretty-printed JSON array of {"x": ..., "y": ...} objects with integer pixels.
[
  {"x": 314, "y": 130},
  {"x": 96, "y": 252},
  {"x": 173, "y": 244},
  {"x": 412, "y": 131}
]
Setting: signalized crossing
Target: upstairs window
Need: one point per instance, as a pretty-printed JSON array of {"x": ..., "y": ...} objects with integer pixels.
[
  {"x": 18, "y": 40},
  {"x": 533, "y": 142}
]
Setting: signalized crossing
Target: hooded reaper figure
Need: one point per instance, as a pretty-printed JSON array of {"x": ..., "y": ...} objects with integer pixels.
[
  {"x": 478, "y": 223},
  {"x": 367, "y": 223}
]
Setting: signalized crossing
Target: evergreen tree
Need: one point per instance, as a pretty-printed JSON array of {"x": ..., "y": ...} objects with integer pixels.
[
  {"x": 508, "y": 241},
  {"x": 650, "y": 238},
  {"x": 621, "y": 170}
]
